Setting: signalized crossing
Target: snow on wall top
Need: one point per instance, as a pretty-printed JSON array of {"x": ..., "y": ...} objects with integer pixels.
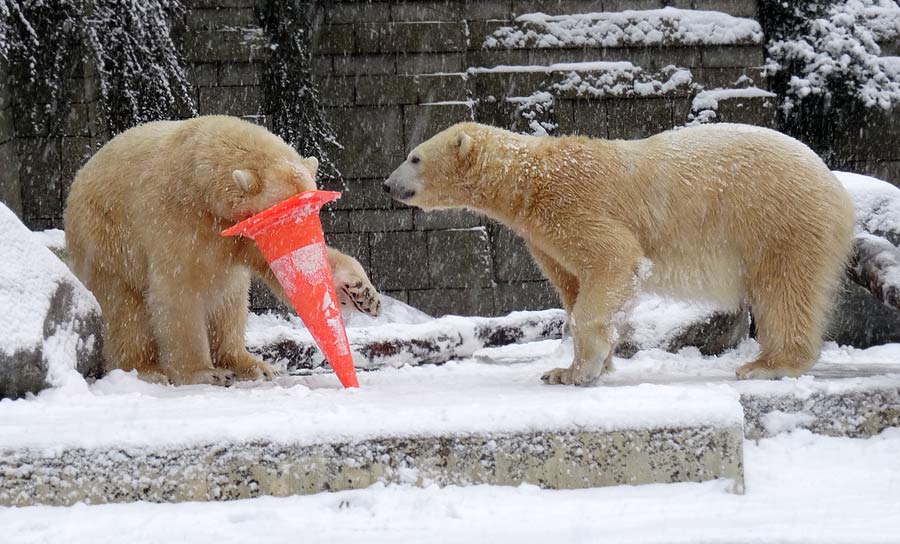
[
  {"x": 600, "y": 78},
  {"x": 625, "y": 28},
  {"x": 877, "y": 203},
  {"x": 29, "y": 276}
]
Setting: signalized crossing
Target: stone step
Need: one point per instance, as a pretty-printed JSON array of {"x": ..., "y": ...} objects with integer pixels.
[
  {"x": 241, "y": 470},
  {"x": 460, "y": 424}
]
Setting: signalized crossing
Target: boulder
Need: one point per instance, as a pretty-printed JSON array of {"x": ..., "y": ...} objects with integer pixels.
[
  {"x": 662, "y": 323},
  {"x": 50, "y": 323}
]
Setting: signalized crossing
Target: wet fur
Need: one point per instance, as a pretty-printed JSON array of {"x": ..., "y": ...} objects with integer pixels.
[
  {"x": 727, "y": 212},
  {"x": 143, "y": 219}
]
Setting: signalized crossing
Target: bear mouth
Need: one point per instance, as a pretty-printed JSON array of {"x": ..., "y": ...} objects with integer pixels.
[{"x": 405, "y": 195}]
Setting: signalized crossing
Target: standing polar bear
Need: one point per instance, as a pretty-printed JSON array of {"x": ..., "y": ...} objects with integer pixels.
[
  {"x": 143, "y": 222},
  {"x": 726, "y": 212}
]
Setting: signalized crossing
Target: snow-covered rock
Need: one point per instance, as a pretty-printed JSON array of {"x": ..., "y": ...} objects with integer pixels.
[
  {"x": 864, "y": 314},
  {"x": 877, "y": 205},
  {"x": 876, "y": 265},
  {"x": 49, "y": 322},
  {"x": 670, "y": 325}
]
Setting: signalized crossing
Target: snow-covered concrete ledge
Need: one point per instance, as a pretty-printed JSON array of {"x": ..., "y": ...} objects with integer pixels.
[
  {"x": 856, "y": 407},
  {"x": 460, "y": 423},
  {"x": 225, "y": 471}
]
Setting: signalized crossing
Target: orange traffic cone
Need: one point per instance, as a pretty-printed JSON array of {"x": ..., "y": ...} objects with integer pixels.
[{"x": 289, "y": 234}]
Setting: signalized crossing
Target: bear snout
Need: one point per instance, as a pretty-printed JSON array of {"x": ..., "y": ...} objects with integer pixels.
[{"x": 397, "y": 192}]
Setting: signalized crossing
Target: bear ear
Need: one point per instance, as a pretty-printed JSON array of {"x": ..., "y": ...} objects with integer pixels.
[
  {"x": 244, "y": 179},
  {"x": 464, "y": 143},
  {"x": 311, "y": 164}
]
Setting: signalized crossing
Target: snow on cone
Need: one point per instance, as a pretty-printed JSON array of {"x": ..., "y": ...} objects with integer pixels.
[{"x": 290, "y": 237}]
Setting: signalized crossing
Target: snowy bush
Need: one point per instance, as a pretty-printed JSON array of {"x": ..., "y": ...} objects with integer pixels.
[
  {"x": 35, "y": 39},
  {"x": 139, "y": 74},
  {"x": 828, "y": 49},
  {"x": 297, "y": 114}
]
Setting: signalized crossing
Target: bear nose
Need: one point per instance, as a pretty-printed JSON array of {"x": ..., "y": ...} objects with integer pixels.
[{"x": 386, "y": 187}]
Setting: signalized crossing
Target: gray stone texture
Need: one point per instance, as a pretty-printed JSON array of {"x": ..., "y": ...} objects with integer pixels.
[
  {"x": 860, "y": 320},
  {"x": 858, "y": 414},
  {"x": 524, "y": 295},
  {"x": 399, "y": 260},
  {"x": 448, "y": 301},
  {"x": 227, "y": 471},
  {"x": 512, "y": 261},
  {"x": 422, "y": 122},
  {"x": 459, "y": 258}
]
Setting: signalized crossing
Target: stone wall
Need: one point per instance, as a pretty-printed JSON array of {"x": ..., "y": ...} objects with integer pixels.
[{"x": 391, "y": 74}]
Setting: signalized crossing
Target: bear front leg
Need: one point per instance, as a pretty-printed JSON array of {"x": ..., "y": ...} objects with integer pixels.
[
  {"x": 565, "y": 282},
  {"x": 350, "y": 280},
  {"x": 607, "y": 281},
  {"x": 352, "y": 284},
  {"x": 178, "y": 318}
]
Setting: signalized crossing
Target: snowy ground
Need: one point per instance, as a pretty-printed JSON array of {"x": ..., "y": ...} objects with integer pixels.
[
  {"x": 800, "y": 488},
  {"x": 502, "y": 383}
]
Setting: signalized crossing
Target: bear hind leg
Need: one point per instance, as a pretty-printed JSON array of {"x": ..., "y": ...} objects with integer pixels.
[
  {"x": 128, "y": 341},
  {"x": 790, "y": 308}
]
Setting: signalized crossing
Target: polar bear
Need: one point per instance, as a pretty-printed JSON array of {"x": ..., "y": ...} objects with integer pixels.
[
  {"x": 727, "y": 212},
  {"x": 143, "y": 221}
]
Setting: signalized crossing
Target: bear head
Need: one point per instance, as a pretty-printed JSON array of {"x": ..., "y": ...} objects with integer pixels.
[
  {"x": 246, "y": 169},
  {"x": 257, "y": 186},
  {"x": 439, "y": 173}
]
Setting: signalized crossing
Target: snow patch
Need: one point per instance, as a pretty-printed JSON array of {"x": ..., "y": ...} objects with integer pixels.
[
  {"x": 706, "y": 103},
  {"x": 776, "y": 422},
  {"x": 838, "y": 52},
  {"x": 799, "y": 488}
]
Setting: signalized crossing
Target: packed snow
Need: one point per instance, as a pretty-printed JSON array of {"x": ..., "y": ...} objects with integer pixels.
[
  {"x": 600, "y": 78},
  {"x": 626, "y": 28},
  {"x": 706, "y": 103},
  {"x": 30, "y": 275},
  {"x": 800, "y": 488}
]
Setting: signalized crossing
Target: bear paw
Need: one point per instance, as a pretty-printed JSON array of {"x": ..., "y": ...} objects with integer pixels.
[
  {"x": 764, "y": 370},
  {"x": 214, "y": 376},
  {"x": 256, "y": 370},
  {"x": 361, "y": 295},
  {"x": 567, "y": 376}
]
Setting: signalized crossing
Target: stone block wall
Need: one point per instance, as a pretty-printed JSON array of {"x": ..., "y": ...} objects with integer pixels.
[{"x": 391, "y": 74}]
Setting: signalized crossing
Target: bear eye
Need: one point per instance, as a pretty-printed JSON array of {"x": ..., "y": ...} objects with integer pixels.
[{"x": 414, "y": 159}]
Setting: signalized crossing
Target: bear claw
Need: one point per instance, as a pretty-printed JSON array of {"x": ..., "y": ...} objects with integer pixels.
[
  {"x": 217, "y": 376},
  {"x": 364, "y": 299}
]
